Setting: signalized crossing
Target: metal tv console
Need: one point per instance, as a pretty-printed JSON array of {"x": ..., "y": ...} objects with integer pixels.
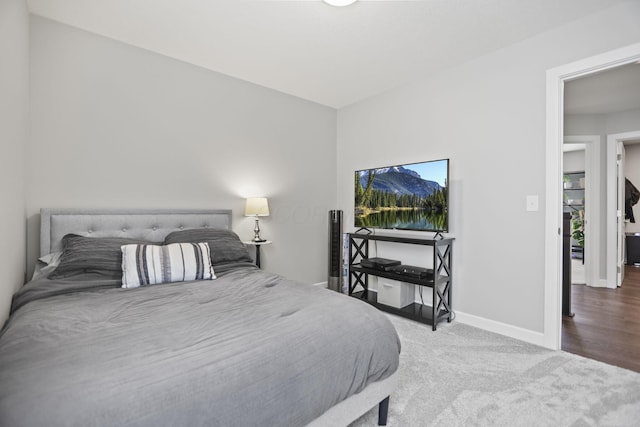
[{"x": 438, "y": 277}]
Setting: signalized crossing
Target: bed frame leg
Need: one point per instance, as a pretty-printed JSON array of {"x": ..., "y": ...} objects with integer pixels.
[{"x": 383, "y": 410}]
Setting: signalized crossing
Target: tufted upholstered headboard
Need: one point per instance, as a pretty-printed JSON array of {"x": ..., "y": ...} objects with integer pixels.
[{"x": 150, "y": 225}]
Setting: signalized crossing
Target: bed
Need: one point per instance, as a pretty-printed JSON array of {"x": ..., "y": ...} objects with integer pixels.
[{"x": 88, "y": 345}]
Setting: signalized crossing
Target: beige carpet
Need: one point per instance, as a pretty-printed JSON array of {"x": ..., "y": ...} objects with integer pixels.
[{"x": 463, "y": 376}]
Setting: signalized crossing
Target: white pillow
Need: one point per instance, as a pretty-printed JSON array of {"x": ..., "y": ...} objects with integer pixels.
[
  {"x": 46, "y": 264},
  {"x": 144, "y": 264},
  {"x": 51, "y": 259}
]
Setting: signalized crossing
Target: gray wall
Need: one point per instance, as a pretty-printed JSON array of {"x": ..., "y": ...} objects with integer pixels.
[
  {"x": 14, "y": 98},
  {"x": 117, "y": 126},
  {"x": 486, "y": 115}
]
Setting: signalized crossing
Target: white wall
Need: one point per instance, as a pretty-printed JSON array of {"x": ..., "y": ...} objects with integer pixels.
[
  {"x": 14, "y": 114},
  {"x": 114, "y": 126},
  {"x": 623, "y": 121},
  {"x": 488, "y": 117},
  {"x": 573, "y": 161},
  {"x": 602, "y": 124}
]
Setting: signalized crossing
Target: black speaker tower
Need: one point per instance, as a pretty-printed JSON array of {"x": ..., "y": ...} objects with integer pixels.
[{"x": 335, "y": 251}]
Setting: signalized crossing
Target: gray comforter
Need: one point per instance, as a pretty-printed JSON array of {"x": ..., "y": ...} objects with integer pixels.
[{"x": 246, "y": 349}]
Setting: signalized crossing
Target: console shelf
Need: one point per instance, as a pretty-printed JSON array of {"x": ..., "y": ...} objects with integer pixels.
[{"x": 440, "y": 281}]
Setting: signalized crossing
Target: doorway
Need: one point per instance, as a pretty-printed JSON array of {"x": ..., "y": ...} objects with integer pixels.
[
  {"x": 582, "y": 154},
  {"x": 617, "y": 173},
  {"x": 602, "y": 323},
  {"x": 574, "y": 187},
  {"x": 556, "y": 79}
]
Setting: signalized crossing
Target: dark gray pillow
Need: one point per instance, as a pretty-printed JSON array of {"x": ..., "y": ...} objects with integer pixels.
[
  {"x": 225, "y": 245},
  {"x": 100, "y": 255}
]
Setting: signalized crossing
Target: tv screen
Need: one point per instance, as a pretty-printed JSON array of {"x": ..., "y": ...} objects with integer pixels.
[{"x": 412, "y": 196}]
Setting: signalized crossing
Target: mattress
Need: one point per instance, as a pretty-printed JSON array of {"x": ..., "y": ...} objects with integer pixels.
[{"x": 246, "y": 349}]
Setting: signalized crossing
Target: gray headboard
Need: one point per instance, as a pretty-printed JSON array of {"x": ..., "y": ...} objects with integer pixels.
[{"x": 150, "y": 225}]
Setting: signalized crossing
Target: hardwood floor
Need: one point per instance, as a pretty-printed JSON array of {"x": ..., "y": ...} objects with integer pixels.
[{"x": 606, "y": 326}]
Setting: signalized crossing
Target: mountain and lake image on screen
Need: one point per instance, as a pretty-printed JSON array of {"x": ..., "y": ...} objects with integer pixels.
[{"x": 412, "y": 196}]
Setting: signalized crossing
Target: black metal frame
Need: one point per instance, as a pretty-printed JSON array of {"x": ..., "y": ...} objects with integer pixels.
[
  {"x": 360, "y": 278},
  {"x": 383, "y": 411},
  {"x": 440, "y": 281}
]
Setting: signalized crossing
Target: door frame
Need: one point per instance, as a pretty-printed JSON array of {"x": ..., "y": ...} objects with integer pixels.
[
  {"x": 613, "y": 238},
  {"x": 592, "y": 217},
  {"x": 555, "y": 80}
]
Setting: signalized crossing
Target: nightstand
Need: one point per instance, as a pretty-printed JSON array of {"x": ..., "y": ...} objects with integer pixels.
[{"x": 257, "y": 245}]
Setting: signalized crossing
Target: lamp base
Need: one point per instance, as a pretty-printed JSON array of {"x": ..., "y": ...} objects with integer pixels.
[{"x": 256, "y": 233}]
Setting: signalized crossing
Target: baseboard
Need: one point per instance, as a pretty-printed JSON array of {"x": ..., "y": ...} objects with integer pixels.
[
  {"x": 505, "y": 329},
  {"x": 511, "y": 331},
  {"x": 600, "y": 283}
]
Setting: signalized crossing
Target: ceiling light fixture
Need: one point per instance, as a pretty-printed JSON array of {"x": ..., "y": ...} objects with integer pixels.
[{"x": 339, "y": 2}]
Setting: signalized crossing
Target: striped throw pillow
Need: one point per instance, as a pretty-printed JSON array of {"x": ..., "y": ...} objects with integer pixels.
[{"x": 144, "y": 265}]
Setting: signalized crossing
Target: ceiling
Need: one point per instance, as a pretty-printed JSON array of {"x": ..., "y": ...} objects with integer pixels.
[
  {"x": 609, "y": 91},
  {"x": 334, "y": 56}
]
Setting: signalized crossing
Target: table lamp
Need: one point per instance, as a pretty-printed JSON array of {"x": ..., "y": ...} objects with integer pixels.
[{"x": 257, "y": 206}]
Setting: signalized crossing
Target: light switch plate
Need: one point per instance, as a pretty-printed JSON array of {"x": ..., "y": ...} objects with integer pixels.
[{"x": 532, "y": 203}]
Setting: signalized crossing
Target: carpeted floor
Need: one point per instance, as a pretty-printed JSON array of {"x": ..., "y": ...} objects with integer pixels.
[{"x": 463, "y": 376}]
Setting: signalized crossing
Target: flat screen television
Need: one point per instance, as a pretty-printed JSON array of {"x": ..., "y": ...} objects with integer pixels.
[{"x": 412, "y": 196}]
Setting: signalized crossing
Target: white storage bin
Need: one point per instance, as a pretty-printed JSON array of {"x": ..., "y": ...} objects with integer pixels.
[{"x": 395, "y": 294}]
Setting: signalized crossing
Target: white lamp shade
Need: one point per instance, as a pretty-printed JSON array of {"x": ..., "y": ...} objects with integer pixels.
[{"x": 256, "y": 206}]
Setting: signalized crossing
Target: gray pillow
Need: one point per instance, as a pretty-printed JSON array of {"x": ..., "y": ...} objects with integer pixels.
[
  {"x": 225, "y": 245},
  {"x": 101, "y": 255}
]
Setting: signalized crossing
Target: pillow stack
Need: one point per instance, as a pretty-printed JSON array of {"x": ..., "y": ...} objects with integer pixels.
[{"x": 184, "y": 255}]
